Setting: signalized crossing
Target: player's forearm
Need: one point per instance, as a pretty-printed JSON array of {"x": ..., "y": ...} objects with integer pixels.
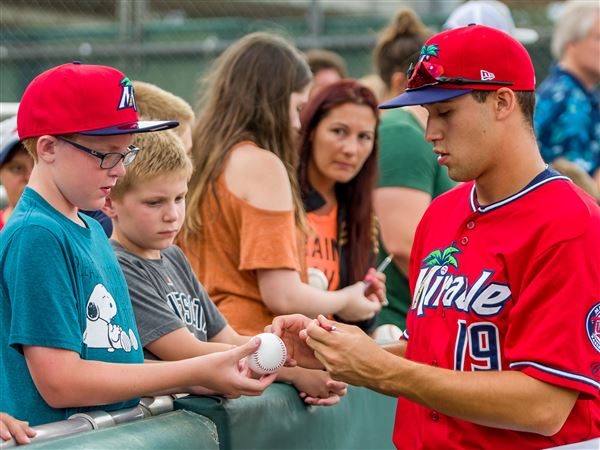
[
  {"x": 500, "y": 399},
  {"x": 396, "y": 348}
]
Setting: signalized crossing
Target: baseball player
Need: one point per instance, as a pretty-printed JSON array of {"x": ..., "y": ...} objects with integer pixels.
[{"x": 502, "y": 347}]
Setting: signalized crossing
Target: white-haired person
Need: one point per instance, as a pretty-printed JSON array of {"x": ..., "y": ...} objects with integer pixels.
[{"x": 567, "y": 116}]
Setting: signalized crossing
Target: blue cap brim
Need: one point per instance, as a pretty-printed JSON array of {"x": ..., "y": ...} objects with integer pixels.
[
  {"x": 7, "y": 148},
  {"x": 9, "y": 138},
  {"x": 423, "y": 96},
  {"x": 133, "y": 127}
]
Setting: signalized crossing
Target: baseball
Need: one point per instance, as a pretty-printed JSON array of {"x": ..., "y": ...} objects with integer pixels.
[
  {"x": 270, "y": 355},
  {"x": 317, "y": 278}
]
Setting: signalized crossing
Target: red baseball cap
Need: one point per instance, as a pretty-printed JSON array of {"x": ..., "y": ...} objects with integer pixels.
[
  {"x": 458, "y": 61},
  {"x": 81, "y": 98}
]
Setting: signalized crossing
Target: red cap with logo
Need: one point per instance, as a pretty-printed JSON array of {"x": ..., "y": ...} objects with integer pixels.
[
  {"x": 456, "y": 62},
  {"x": 81, "y": 98}
]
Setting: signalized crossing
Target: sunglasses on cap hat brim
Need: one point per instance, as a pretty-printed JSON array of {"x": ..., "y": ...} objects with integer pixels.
[
  {"x": 423, "y": 81},
  {"x": 426, "y": 74}
]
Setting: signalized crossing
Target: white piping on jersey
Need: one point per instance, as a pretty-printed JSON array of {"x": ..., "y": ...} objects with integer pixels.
[
  {"x": 484, "y": 209},
  {"x": 405, "y": 334},
  {"x": 560, "y": 373}
]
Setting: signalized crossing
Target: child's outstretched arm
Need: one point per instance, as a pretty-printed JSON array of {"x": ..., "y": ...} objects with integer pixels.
[{"x": 65, "y": 380}]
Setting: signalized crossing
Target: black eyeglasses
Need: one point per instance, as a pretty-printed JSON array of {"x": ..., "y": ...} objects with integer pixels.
[
  {"x": 107, "y": 160},
  {"x": 426, "y": 73}
]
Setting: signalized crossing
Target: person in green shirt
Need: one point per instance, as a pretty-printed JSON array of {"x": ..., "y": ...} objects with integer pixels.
[{"x": 410, "y": 177}]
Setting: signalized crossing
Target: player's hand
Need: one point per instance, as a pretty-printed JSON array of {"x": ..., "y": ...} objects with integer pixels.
[
  {"x": 11, "y": 427},
  {"x": 347, "y": 353},
  {"x": 288, "y": 328},
  {"x": 376, "y": 291},
  {"x": 317, "y": 388},
  {"x": 231, "y": 378},
  {"x": 358, "y": 307}
]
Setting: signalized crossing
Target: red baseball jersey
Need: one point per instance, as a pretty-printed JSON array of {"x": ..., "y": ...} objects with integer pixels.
[{"x": 514, "y": 285}]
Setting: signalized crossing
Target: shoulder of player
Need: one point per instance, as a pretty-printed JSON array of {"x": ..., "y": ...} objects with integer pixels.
[{"x": 562, "y": 208}]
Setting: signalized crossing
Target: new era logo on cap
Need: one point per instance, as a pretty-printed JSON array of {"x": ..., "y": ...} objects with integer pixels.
[
  {"x": 81, "y": 98},
  {"x": 485, "y": 75}
]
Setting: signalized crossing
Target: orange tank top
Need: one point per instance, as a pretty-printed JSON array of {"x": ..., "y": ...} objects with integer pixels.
[{"x": 235, "y": 241}]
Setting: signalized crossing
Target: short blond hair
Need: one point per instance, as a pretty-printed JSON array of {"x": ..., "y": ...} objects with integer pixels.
[
  {"x": 154, "y": 103},
  {"x": 160, "y": 153},
  {"x": 30, "y": 145}
]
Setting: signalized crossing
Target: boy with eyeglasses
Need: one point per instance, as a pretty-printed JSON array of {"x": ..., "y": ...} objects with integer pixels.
[
  {"x": 502, "y": 344},
  {"x": 68, "y": 340}
]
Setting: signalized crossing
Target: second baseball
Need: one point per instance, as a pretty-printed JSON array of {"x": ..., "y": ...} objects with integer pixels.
[{"x": 270, "y": 355}]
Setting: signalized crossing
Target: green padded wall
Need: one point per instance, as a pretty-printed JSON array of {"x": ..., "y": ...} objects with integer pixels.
[{"x": 279, "y": 419}]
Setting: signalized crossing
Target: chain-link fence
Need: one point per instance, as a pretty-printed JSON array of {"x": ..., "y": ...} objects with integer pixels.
[{"x": 171, "y": 42}]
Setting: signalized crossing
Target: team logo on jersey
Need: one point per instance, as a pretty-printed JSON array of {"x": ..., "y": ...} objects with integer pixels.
[
  {"x": 592, "y": 326},
  {"x": 127, "y": 97},
  {"x": 435, "y": 284}
]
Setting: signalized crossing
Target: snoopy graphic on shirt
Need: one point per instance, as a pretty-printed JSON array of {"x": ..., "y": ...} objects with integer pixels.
[{"x": 100, "y": 332}]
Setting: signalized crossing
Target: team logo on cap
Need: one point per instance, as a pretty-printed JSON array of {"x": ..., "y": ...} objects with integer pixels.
[
  {"x": 592, "y": 325},
  {"x": 427, "y": 51},
  {"x": 127, "y": 98}
]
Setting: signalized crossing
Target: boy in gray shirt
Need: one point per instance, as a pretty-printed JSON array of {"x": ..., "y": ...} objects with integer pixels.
[
  {"x": 167, "y": 295},
  {"x": 176, "y": 319}
]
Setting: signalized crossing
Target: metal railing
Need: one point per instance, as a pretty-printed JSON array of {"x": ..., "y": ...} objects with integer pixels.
[{"x": 98, "y": 420}]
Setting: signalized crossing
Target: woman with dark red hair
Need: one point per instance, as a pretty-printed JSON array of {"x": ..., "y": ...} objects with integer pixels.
[{"x": 337, "y": 174}]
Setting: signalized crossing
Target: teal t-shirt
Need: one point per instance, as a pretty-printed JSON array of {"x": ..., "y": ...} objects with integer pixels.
[
  {"x": 61, "y": 287},
  {"x": 406, "y": 159}
]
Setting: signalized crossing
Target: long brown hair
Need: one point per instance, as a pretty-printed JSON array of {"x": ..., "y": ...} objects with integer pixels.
[
  {"x": 359, "y": 234},
  {"x": 246, "y": 96},
  {"x": 399, "y": 44}
]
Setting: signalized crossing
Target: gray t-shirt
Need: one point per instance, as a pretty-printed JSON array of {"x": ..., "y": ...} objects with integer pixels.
[{"x": 166, "y": 296}]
